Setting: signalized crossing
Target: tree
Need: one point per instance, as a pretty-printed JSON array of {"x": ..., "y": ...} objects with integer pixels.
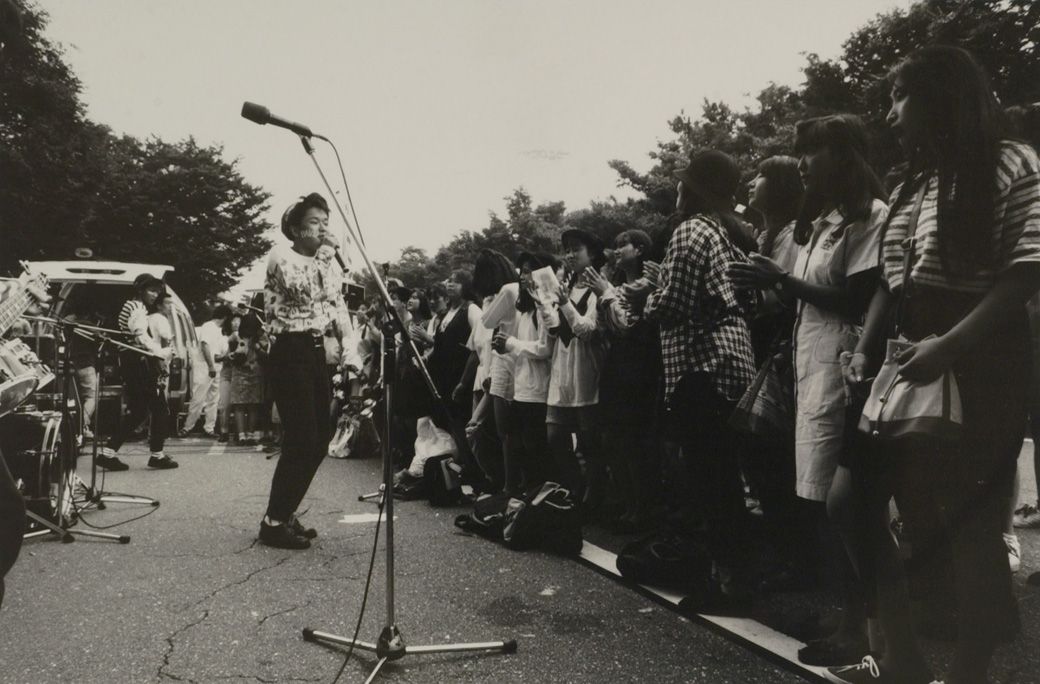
[
  {"x": 51, "y": 157},
  {"x": 68, "y": 182},
  {"x": 181, "y": 204}
]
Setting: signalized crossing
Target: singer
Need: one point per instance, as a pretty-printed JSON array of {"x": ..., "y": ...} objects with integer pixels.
[{"x": 303, "y": 298}]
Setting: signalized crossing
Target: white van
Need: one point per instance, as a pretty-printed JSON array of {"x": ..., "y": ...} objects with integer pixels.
[{"x": 104, "y": 286}]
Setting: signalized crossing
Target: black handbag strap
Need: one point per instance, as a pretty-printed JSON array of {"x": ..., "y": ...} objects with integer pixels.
[{"x": 909, "y": 249}]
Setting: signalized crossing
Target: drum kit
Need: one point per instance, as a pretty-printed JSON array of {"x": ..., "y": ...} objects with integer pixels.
[{"x": 40, "y": 443}]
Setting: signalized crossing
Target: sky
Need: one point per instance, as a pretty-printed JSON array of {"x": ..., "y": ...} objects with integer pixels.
[{"x": 439, "y": 109}]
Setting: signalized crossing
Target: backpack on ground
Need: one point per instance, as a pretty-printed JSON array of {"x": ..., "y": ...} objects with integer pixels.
[
  {"x": 545, "y": 517},
  {"x": 441, "y": 481}
]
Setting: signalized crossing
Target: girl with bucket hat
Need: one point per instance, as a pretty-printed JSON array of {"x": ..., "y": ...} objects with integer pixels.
[{"x": 708, "y": 363}]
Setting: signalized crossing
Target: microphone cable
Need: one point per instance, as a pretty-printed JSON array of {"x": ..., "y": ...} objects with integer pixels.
[
  {"x": 346, "y": 186},
  {"x": 368, "y": 584}
]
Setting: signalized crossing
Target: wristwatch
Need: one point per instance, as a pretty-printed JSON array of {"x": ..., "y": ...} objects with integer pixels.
[{"x": 779, "y": 284}]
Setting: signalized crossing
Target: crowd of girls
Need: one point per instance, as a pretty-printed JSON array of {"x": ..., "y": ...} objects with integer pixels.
[{"x": 636, "y": 359}]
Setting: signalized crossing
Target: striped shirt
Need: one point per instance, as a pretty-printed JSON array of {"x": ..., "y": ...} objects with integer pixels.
[
  {"x": 133, "y": 318},
  {"x": 1015, "y": 228}
]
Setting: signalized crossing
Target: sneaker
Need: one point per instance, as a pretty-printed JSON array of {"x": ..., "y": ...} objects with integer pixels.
[
  {"x": 1027, "y": 515},
  {"x": 281, "y": 537},
  {"x": 111, "y": 463},
  {"x": 866, "y": 670},
  {"x": 1014, "y": 552},
  {"x": 306, "y": 532},
  {"x": 162, "y": 462}
]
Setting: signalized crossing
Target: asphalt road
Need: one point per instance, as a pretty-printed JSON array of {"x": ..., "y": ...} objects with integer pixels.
[{"x": 194, "y": 598}]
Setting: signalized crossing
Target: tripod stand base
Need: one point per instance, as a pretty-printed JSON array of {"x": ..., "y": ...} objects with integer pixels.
[
  {"x": 391, "y": 646},
  {"x": 67, "y": 536}
]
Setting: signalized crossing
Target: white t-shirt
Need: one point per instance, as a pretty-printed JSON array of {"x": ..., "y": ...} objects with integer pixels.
[{"x": 210, "y": 333}]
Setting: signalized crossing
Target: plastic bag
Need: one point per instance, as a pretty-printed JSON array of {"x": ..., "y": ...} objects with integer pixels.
[{"x": 430, "y": 441}]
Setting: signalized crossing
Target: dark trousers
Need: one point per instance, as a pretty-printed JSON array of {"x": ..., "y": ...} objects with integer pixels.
[
  {"x": 12, "y": 523},
  {"x": 146, "y": 398},
  {"x": 300, "y": 382},
  {"x": 697, "y": 418}
]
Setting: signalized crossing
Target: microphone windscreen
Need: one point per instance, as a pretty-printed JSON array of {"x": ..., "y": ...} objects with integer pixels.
[{"x": 256, "y": 113}]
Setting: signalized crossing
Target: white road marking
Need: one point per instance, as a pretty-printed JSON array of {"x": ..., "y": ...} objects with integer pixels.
[
  {"x": 356, "y": 518},
  {"x": 767, "y": 638}
]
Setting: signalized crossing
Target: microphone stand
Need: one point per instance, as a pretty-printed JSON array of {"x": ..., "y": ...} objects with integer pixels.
[
  {"x": 390, "y": 644},
  {"x": 68, "y": 479},
  {"x": 95, "y": 497}
]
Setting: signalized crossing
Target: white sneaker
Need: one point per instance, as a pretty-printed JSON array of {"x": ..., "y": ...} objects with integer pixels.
[
  {"x": 1027, "y": 515},
  {"x": 1014, "y": 552}
]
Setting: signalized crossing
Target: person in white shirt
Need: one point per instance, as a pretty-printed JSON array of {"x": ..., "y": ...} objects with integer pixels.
[{"x": 205, "y": 390}]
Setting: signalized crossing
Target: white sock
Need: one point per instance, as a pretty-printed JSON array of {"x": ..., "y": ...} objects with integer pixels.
[
  {"x": 158, "y": 454},
  {"x": 272, "y": 523}
]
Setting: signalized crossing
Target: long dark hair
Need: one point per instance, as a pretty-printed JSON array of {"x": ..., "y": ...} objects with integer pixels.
[
  {"x": 961, "y": 125},
  {"x": 465, "y": 279},
  {"x": 856, "y": 185},
  {"x": 491, "y": 271},
  {"x": 783, "y": 195},
  {"x": 525, "y": 302}
]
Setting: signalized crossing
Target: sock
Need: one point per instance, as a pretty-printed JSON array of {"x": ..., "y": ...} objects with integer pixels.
[
  {"x": 158, "y": 454},
  {"x": 272, "y": 523}
]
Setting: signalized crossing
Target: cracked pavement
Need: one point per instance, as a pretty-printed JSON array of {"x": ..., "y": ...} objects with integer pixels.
[{"x": 194, "y": 598}]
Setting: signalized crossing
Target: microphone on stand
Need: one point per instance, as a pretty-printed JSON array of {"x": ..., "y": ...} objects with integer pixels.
[{"x": 263, "y": 116}]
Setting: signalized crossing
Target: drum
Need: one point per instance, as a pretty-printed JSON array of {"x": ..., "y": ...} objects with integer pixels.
[
  {"x": 43, "y": 469},
  {"x": 21, "y": 373}
]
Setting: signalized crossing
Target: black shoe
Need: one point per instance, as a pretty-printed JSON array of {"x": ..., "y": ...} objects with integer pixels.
[
  {"x": 111, "y": 463},
  {"x": 297, "y": 527},
  {"x": 162, "y": 462},
  {"x": 223, "y": 439},
  {"x": 282, "y": 537},
  {"x": 712, "y": 598}
]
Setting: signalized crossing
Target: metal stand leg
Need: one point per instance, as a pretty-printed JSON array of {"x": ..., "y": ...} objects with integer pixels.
[{"x": 391, "y": 645}]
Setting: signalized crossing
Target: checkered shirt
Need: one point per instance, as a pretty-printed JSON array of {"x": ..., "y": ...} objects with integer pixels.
[{"x": 703, "y": 318}]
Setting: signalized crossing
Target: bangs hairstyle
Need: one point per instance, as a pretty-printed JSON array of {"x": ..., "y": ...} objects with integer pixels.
[
  {"x": 525, "y": 302},
  {"x": 856, "y": 185},
  {"x": 961, "y": 124},
  {"x": 783, "y": 191},
  {"x": 294, "y": 214},
  {"x": 465, "y": 279},
  {"x": 491, "y": 271},
  {"x": 425, "y": 313},
  {"x": 782, "y": 197}
]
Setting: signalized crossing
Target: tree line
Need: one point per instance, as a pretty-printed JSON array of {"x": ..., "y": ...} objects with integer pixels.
[
  {"x": 1002, "y": 34},
  {"x": 68, "y": 182}
]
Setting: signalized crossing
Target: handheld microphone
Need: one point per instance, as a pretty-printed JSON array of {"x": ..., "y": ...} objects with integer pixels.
[
  {"x": 339, "y": 260},
  {"x": 263, "y": 116}
]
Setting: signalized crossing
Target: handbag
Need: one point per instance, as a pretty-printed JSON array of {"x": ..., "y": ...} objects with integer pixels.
[
  {"x": 766, "y": 409},
  {"x": 898, "y": 408}
]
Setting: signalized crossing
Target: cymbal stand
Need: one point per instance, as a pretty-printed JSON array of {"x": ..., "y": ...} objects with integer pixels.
[{"x": 390, "y": 644}]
